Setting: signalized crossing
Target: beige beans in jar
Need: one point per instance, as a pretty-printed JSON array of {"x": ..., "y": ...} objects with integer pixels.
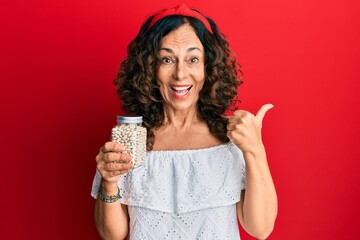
[{"x": 132, "y": 135}]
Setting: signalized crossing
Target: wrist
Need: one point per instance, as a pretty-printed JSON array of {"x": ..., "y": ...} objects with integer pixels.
[
  {"x": 109, "y": 198},
  {"x": 256, "y": 152},
  {"x": 109, "y": 188}
]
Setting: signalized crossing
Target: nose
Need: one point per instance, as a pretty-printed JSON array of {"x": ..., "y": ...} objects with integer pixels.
[{"x": 180, "y": 71}]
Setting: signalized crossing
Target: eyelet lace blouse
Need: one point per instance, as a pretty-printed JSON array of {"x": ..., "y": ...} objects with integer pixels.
[{"x": 184, "y": 194}]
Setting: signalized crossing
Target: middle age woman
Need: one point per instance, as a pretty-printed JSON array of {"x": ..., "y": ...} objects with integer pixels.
[{"x": 203, "y": 171}]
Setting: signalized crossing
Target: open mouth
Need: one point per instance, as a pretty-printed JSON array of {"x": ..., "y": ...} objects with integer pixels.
[{"x": 180, "y": 91}]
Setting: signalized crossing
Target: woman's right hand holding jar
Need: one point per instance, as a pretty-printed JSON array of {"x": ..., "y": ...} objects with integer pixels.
[{"x": 112, "y": 161}]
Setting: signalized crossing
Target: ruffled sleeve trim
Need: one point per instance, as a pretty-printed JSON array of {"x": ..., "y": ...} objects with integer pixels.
[{"x": 184, "y": 181}]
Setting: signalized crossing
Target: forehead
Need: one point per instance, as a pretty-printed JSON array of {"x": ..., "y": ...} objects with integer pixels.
[{"x": 184, "y": 35}]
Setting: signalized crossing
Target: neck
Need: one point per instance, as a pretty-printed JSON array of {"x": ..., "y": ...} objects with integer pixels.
[{"x": 180, "y": 119}]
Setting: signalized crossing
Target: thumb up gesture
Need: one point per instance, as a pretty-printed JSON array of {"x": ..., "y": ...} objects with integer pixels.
[{"x": 244, "y": 129}]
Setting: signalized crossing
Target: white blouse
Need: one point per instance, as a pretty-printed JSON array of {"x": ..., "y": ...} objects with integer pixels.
[{"x": 184, "y": 194}]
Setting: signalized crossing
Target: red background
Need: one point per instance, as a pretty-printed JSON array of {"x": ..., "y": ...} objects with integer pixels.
[{"x": 58, "y": 60}]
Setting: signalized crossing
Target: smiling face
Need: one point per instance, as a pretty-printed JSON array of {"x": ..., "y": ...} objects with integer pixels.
[{"x": 181, "y": 74}]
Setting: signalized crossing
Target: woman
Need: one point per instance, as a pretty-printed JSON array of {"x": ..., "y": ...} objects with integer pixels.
[{"x": 181, "y": 76}]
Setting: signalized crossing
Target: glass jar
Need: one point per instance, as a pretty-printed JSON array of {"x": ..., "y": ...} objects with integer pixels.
[{"x": 130, "y": 133}]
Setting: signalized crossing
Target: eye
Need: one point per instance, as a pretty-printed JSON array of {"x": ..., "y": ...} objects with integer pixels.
[
  {"x": 166, "y": 60},
  {"x": 194, "y": 60}
]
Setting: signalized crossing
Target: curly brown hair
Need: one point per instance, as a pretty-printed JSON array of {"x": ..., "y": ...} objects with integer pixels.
[{"x": 139, "y": 92}]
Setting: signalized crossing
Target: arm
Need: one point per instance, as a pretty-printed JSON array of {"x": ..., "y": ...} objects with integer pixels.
[
  {"x": 257, "y": 209},
  {"x": 111, "y": 219}
]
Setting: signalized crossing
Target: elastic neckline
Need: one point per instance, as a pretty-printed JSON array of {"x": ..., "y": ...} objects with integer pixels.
[{"x": 192, "y": 150}]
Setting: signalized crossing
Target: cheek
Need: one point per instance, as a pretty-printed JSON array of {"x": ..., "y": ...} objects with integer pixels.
[
  {"x": 200, "y": 79},
  {"x": 201, "y": 85},
  {"x": 162, "y": 75},
  {"x": 199, "y": 75}
]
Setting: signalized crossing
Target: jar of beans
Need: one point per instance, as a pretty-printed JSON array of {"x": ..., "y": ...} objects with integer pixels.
[{"x": 130, "y": 133}]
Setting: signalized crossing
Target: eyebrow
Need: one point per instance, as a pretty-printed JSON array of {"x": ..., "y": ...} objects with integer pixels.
[{"x": 187, "y": 50}]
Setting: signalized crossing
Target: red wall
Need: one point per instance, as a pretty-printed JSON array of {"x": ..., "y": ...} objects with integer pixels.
[{"x": 58, "y": 60}]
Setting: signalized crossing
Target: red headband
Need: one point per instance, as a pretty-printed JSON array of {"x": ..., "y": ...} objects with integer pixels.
[{"x": 182, "y": 10}]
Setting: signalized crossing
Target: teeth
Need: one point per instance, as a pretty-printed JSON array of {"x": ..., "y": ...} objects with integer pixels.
[
  {"x": 182, "y": 93},
  {"x": 181, "y": 88}
]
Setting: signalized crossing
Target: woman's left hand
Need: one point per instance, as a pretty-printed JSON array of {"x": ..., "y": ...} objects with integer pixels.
[{"x": 244, "y": 129}]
